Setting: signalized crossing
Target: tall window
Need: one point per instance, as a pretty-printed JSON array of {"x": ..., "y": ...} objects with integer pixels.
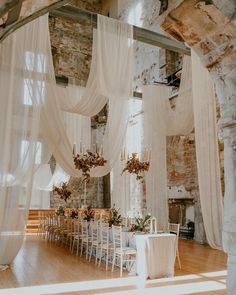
[
  {"x": 34, "y": 86},
  {"x": 25, "y": 154},
  {"x": 35, "y": 62}
]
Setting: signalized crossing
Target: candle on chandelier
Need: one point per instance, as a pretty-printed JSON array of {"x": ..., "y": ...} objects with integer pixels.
[
  {"x": 74, "y": 149},
  {"x": 80, "y": 147},
  {"x": 149, "y": 155},
  {"x": 145, "y": 155},
  {"x": 122, "y": 155}
]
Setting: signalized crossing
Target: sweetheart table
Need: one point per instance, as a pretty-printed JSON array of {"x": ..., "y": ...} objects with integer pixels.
[{"x": 156, "y": 255}]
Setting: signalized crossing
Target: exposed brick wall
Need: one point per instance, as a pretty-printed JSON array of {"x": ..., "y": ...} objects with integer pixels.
[
  {"x": 72, "y": 44},
  {"x": 181, "y": 162}
]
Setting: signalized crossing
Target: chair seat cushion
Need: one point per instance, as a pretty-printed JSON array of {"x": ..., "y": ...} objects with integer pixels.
[{"x": 126, "y": 251}]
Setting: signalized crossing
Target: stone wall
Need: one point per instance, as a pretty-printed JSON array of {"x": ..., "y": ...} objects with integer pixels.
[{"x": 72, "y": 44}]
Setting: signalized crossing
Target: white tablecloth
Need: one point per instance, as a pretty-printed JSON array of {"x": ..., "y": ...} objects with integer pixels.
[{"x": 155, "y": 255}]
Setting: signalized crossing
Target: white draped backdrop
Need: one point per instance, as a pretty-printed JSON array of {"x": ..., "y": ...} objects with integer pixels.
[
  {"x": 39, "y": 118},
  {"x": 161, "y": 121},
  {"x": 32, "y": 114}
]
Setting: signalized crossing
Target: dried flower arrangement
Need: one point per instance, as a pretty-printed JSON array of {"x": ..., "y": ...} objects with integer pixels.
[
  {"x": 135, "y": 166},
  {"x": 74, "y": 213},
  {"x": 88, "y": 214},
  {"x": 62, "y": 191},
  {"x": 87, "y": 161},
  {"x": 60, "y": 211},
  {"x": 115, "y": 217},
  {"x": 141, "y": 223}
]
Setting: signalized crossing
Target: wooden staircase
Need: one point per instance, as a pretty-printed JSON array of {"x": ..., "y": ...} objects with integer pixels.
[{"x": 33, "y": 219}]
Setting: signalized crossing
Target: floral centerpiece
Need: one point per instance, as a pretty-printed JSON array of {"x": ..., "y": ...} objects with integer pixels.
[
  {"x": 142, "y": 224},
  {"x": 88, "y": 214},
  {"x": 60, "y": 211},
  {"x": 74, "y": 214},
  {"x": 114, "y": 217}
]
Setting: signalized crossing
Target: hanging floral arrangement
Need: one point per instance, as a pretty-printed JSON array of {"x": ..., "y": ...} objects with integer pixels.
[
  {"x": 135, "y": 166},
  {"x": 62, "y": 191},
  {"x": 87, "y": 161}
]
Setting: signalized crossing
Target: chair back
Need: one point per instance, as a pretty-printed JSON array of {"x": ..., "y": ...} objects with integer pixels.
[
  {"x": 95, "y": 230},
  {"x": 117, "y": 236},
  {"x": 174, "y": 228},
  {"x": 124, "y": 221},
  {"x": 76, "y": 227},
  {"x": 104, "y": 233},
  {"x": 69, "y": 224},
  {"x": 84, "y": 228}
]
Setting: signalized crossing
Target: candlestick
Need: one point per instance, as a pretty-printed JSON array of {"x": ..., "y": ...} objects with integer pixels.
[
  {"x": 74, "y": 149},
  {"x": 149, "y": 156}
]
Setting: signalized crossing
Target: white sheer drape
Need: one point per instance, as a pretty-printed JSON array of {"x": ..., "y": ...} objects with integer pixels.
[
  {"x": 155, "y": 138},
  {"x": 78, "y": 130},
  {"x": 160, "y": 120},
  {"x": 23, "y": 68},
  {"x": 121, "y": 189},
  {"x": 113, "y": 78},
  {"x": 207, "y": 152},
  {"x": 126, "y": 191},
  {"x": 29, "y": 92}
]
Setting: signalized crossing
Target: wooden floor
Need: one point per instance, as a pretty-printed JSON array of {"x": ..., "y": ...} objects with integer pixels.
[{"x": 41, "y": 263}]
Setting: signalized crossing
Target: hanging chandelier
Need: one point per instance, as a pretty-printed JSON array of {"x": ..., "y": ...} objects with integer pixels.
[
  {"x": 86, "y": 161},
  {"x": 134, "y": 165}
]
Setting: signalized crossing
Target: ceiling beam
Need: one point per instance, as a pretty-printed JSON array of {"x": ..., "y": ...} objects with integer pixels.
[
  {"x": 14, "y": 13},
  {"x": 143, "y": 35},
  {"x": 64, "y": 81},
  {"x": 4, "y": 8},
  {"x": 16, "y": 25}
]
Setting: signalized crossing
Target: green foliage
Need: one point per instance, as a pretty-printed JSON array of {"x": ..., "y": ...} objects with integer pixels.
[
  {"x": 88, "y": 214},
  {"x": 115, "y": 217},
  {"x": 60, "y": 211},
  {"x": 141, "y": 223},
  {"x": 74, "y": 213}
]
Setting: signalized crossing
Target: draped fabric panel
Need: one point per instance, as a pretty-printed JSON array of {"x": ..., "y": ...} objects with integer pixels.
[
  {"x": 113, "y": 78},
  {"x": 207, "y": 152},
  {"x": 23, "y": 68},
  {"x": 160, "y": 120},
  {"x": 31, "y": 114},
  {"x": 87, "y": 101},
  {"x": 155, "y": 125},
  {"x": 126, "y": 191}
]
